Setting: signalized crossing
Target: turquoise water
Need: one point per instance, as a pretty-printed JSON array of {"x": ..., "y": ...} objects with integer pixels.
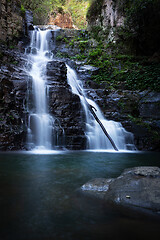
[{"x": 39, "y": 201}]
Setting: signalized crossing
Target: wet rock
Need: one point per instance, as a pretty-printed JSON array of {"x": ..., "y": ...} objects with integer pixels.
[
  {"x": 87, "y": 68},
  {"x": 11, "y": 22},
  {"x": 57, "y": 71},
  {"x": 65, "y": 106},
  {"x": 135, "y": 187},
  {"x": 97, "y": 187},
  {"x": 62, "y": 20},
  {"x": 13, "y": 95},
  {"x": 34, "y": 51},
  {"x": 28, "y": 21},
  {"x": 149, "y": 106}
]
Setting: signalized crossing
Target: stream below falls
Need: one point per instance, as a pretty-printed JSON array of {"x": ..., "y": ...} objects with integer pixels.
[{"x": 39, "y": 201}]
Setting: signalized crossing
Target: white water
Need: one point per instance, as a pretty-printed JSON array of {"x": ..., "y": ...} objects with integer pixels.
[
  {"x": 96, "y": 137},
  {"x": 40, "y": 122}
]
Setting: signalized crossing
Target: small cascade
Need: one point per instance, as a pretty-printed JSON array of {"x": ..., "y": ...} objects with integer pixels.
[
  {"x": 40, "y": 122},
  {"x": 95, "y": 136}
]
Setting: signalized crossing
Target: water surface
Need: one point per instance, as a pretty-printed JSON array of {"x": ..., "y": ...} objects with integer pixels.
[{"x": 38, "y": 199}]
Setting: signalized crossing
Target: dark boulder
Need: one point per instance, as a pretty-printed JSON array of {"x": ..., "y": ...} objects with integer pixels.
[{"x": 136, "y": 187}]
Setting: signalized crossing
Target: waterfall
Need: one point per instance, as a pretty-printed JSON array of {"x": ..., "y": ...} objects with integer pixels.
[
  {"x": 41, "y": 132},
  {"x": 40, "y": 122},
  {"x": 95, "y": 136}
]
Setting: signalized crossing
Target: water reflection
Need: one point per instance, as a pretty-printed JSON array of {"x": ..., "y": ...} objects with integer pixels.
[{"x": 38, "y": 198}]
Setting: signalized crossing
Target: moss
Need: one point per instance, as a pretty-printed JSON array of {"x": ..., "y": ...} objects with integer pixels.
[
  {"x": 96, "y": 32},
  {"x": 59, "y": 38},
  {"x": 153, "y": 133},
  {"x": 22, "y": 10},
  {"x": 62, "y": 55}
]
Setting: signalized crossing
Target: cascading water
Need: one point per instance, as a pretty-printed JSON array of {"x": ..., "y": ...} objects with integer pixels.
[
  {"x": 40, "y": 122},
  {"x": 96, "y": 137}
]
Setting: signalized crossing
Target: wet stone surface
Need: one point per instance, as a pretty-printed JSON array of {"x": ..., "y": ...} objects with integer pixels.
[{"x": 135, "y": 187}]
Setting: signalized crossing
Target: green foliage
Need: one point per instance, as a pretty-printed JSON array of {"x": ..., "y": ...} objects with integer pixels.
[
  {"x": 95, "y": 32},
  {"x": 79, "y": 57},
  {"x": 142, "y": 23},
  {"x": 61, "y": 55},
  {"x": 59, "y": 38},
  {"x": 82, "y": 45},
  {"x": 42, "y": 8},
  {"x": 22, "y": 10},
  {"x": 139, "y": 121},
  {"x": 144, "y": 77},
  {"x": 78, "y": 10},
  {"x": 122, "y": 70},
  {"x": 80, "y": 42},
  {"x": 11, "y": 46}
]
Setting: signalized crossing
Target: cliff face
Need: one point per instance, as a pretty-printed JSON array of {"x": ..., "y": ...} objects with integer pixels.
[
  {"x": 11, "y": 22},
  {"x": 135, "y": 22},
  {"x": 105, "y": 13},
  {"x": 13, "y": 96},
  {"x": 63, "y": 20},
  {"x": 111, "y": 14}
]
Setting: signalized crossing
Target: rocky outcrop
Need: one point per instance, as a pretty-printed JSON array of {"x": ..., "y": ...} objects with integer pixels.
[
  {"x": 66, "y": 46},
  {"x": 134, "y": 23},
  {"x": 62, "y": 20},
  {"x": 138, "y": 111},
  {"x": 13, "y": 96},
  {"x": 16, "y": 97},
  {"x": 65, "y": 107},
  {"x": 28, "y": 22},
  {"x": 136, "y": 187},
  {"x": 11, "y": 22},
  {"x": 105, "y": 13},
  {"x": 149, "y": 106}
]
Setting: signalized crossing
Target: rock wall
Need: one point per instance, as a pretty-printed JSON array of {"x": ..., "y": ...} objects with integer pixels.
[
  {"x": 139, "y": 21},
  {"x": 111, "y": 14},
  {"x": 13, "y": 98},
  {"x": 65, "y": 107},
  {"x": 62, "y": 20},
  {"x": 138, "y": 111},
  {"x": 107, "y": 15},
  {"x": 11, "y": 22}
]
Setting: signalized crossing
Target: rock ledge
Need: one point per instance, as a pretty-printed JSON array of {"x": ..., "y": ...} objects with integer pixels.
[{"x": 135, "y": 187}]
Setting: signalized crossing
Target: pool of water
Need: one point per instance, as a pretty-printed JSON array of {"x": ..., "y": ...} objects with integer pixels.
[{"x": 39, "y": 201}]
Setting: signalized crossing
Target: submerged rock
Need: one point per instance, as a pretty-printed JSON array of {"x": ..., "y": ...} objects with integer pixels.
[{"x": 135, "y": 187}]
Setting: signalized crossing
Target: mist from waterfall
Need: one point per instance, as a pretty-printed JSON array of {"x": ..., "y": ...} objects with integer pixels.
[{"x": 95, "y": 136}]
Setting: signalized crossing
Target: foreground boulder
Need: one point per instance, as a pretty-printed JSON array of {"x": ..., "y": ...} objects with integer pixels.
[{"x": 135, "y": 187}]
